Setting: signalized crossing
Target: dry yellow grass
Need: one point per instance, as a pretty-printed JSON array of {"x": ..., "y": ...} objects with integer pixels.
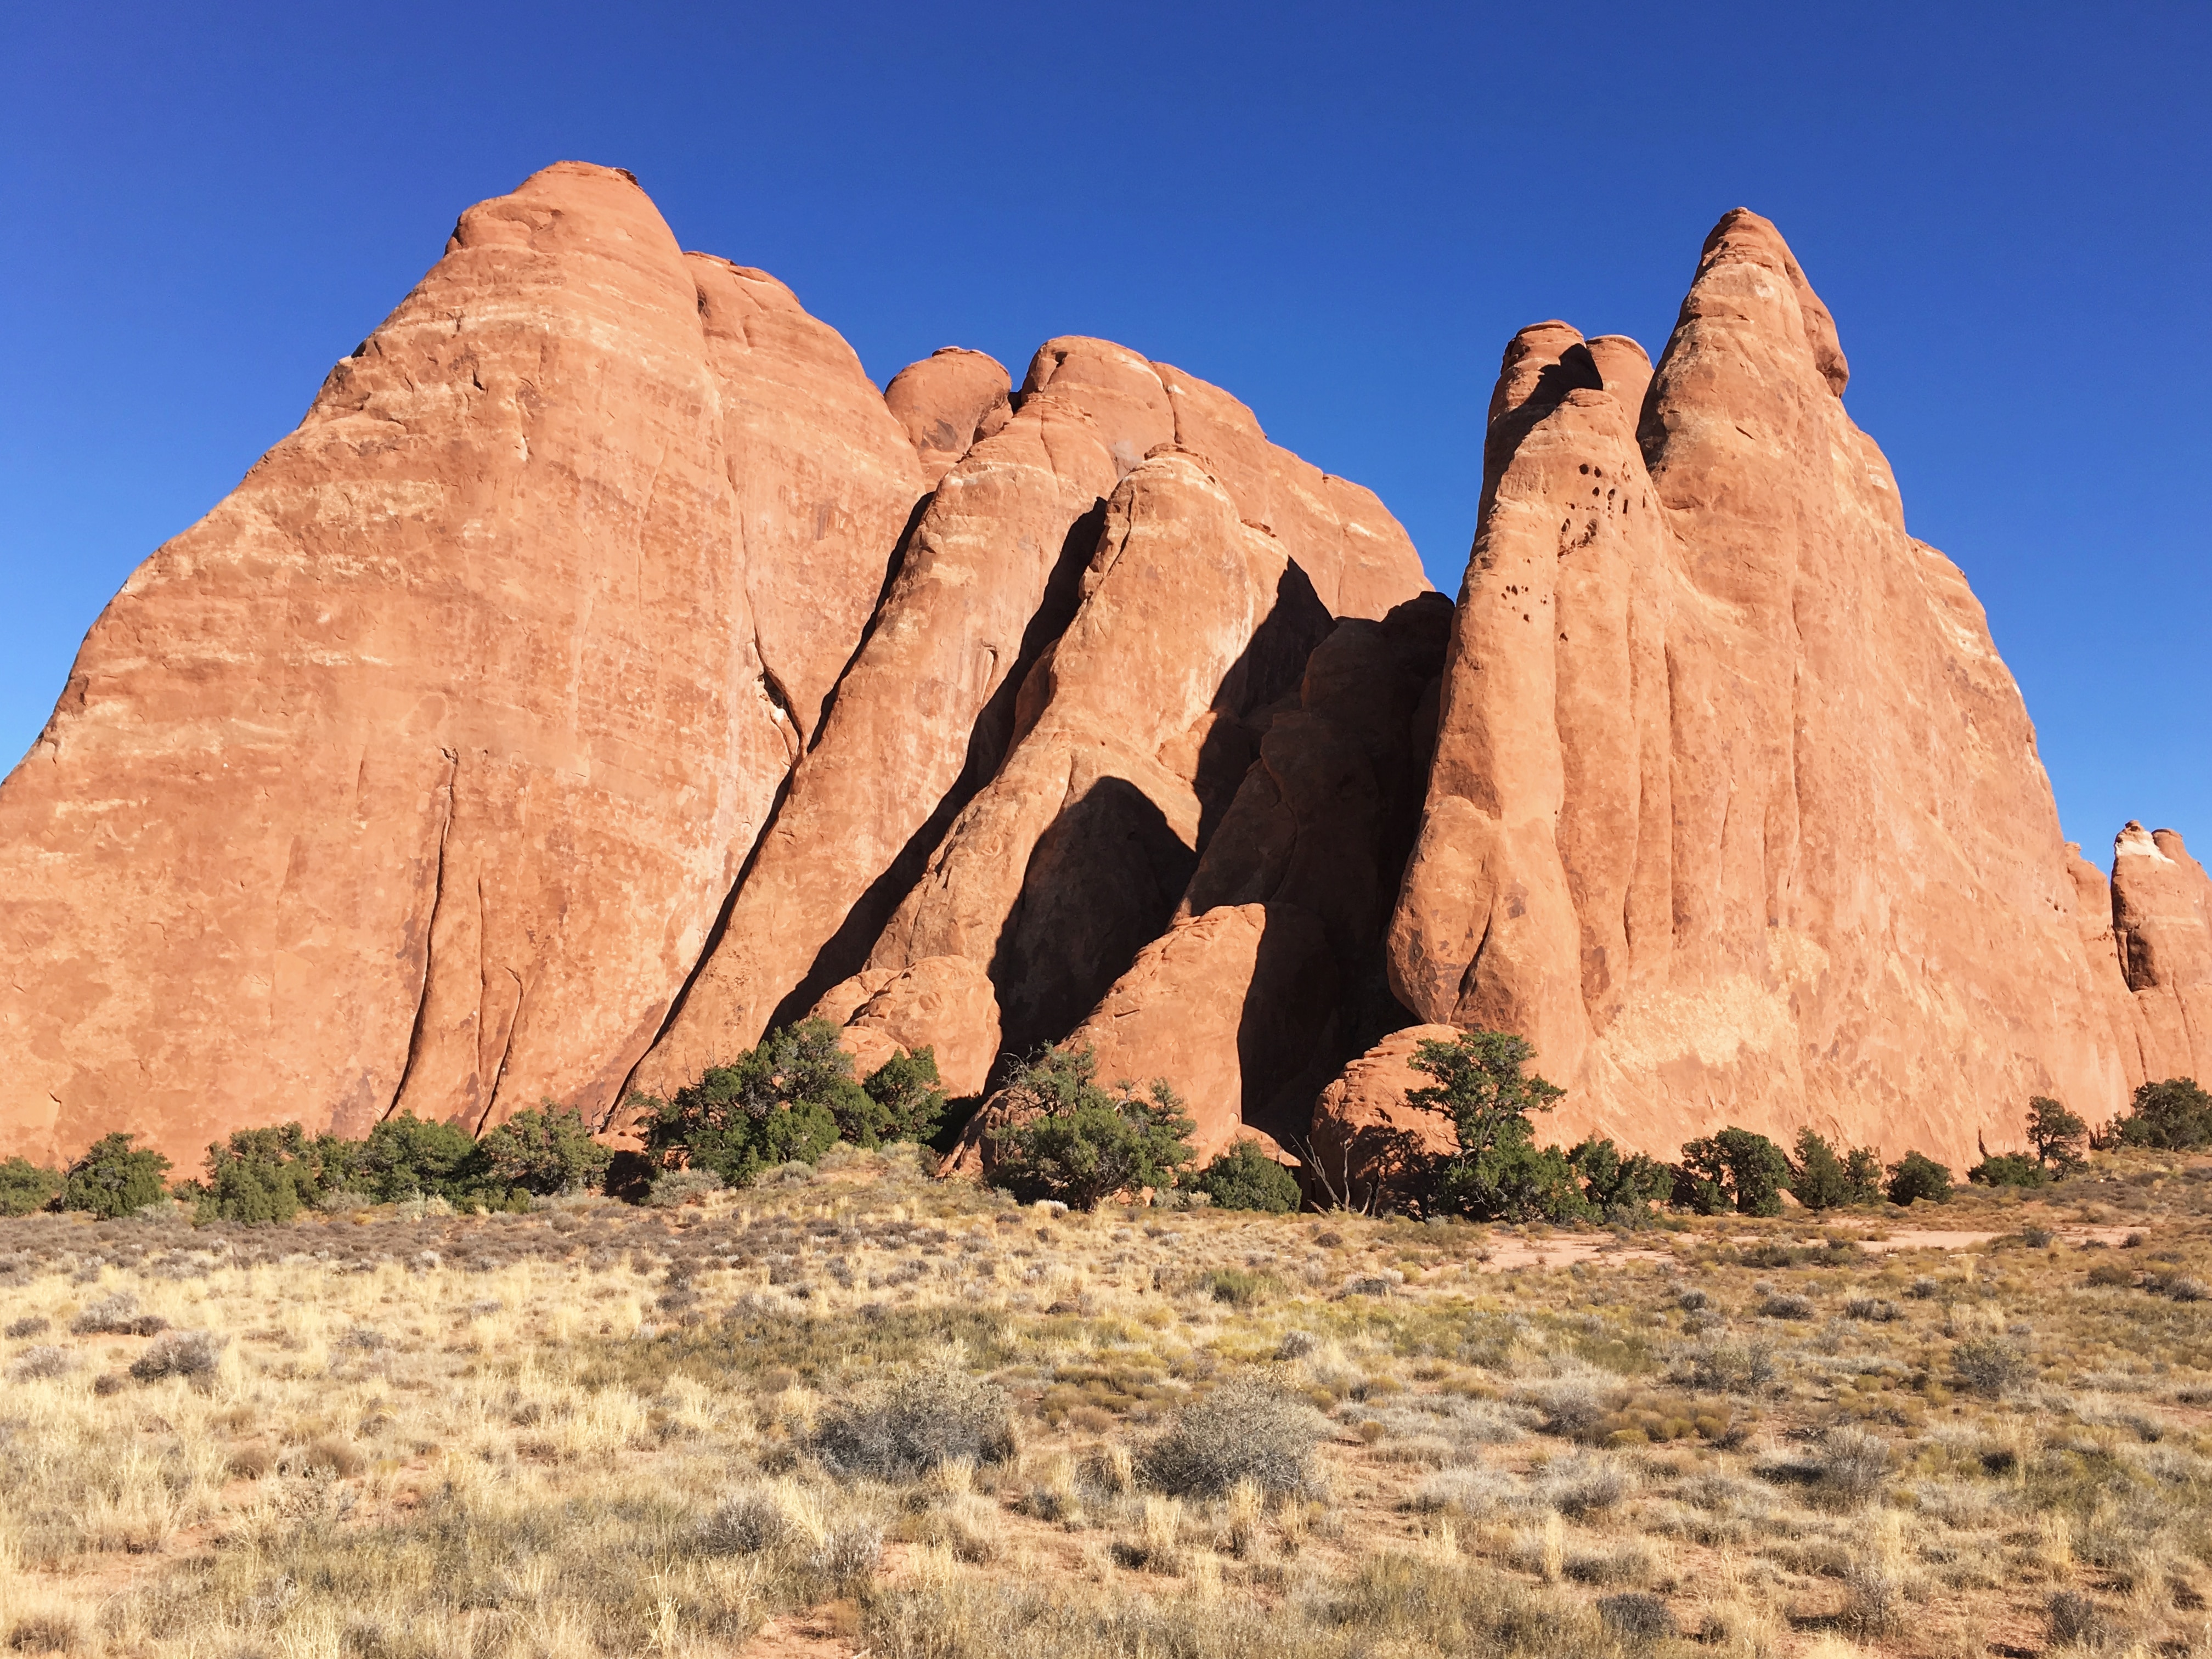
[{"x": 594, "y": 1429}]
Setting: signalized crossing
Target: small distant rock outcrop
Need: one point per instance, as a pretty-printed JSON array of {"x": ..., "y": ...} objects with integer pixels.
[
  {"x": 605, "y": 673},
  {"x": 2161, "y": 930}
]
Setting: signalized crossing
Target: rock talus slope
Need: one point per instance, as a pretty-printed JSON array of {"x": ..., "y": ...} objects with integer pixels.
[
  {"x": 413, "y": 774},
  {"x": 1736, "y": 812}
]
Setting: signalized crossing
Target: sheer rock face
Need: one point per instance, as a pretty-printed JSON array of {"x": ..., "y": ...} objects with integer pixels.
[
  {"x": 413, "y": 774},
  {"x": 2162, "y": 922},
  {"x": 1322, "y": 822},
  {"x": 1735, "y": 813},
  {"x": 947, "y": 403},
  {"x": 966, "y": 655},
  {"x": 822, "y": 479},
  {"x": 986, "y": 582}
]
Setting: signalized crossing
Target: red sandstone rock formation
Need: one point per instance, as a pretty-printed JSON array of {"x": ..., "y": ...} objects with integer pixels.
[
  {"x": 2092, "y": 918},
  {"x": 1368, "y": 1146},
  {"x": 414, "y": 774},
  {"x": 947, "y": 403},
  {"x": 2162, "y": 925},
  {"x": 927, "y": 701},
  {"x": 1229, "y": 1008},
  {"x": 1073, "y": 857},
  {"x": 430, "y": 770},
  {"x": 945, "y": 1004},
  {"x": 1735, "y": 813},
  {"x": 1355, "y": 555}
]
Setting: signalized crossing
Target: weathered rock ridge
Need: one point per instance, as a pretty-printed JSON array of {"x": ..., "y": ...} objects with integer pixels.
[
  {"x": 604, "y": 644},
  {"x": 412, "y": 775},
  {"x": 605, "y": 671},
  {"x": 1736, "y": 812}
]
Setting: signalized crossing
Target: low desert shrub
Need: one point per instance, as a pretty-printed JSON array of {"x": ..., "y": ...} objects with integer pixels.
[
  {"x": 1729, "y": 1367},
  {"x": 2008, "y": 1169},
  {"x": 1852, "y": 1465},
  {"x": 115, "y": 1178},
  {"x": 781, "y": 1101},
  {"x": 1637, "y": 1616},
  {"x": 751, "y": 1520},
  {"x": 46, "y": 1360},
  {"x": 1247, "y": 1429},
  {"x": 904, "y": 1426},
  {"x": 1736, "y": 1169},
  {"x": 193, "y": 1355},
  {"x": 2174, "y": 1114},
  {"x": 44, "y": 1633},
  {"x": 25, "y": 1187},
  {"x": 1498, "y": 1172},
  {"x": 2076, "y": 1621},
  {"x": 847, "y": 1554},
  {"x": 116, "y": 1315},
  {"x": 1875, "y": 1598},
  {"x": 1080, "y": 1144},
  {"x": 1991, "y": 1365},
  {"x": 1574, "y": 1409},
  {"x": 1240, "y": 1287},
  {"x": 1583, "y": 1483},
  {"x": 1475, "y": 1491},
  {"x": 1821, "y": 1179},
  {"x": 267, "y": 1176},
  {"x": 543, "y": 1152},
  {"x": 676, "y": 1188}
]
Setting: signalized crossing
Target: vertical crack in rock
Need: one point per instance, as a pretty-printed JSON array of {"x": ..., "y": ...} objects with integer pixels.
[
  {"x": 507, "y": 1048},
  {"x": 429, "y": 936}
]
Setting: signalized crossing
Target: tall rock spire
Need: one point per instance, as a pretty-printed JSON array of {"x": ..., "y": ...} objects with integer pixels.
[{"x": 1736, "y": 812}]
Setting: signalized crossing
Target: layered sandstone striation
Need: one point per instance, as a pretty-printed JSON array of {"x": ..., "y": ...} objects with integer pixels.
[{"x": 1735, "y": 813}]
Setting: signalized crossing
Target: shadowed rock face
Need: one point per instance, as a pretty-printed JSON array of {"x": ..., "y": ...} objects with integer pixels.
[
  {"x": 1132, "y": 732},
  {"x": 1368, "y": 1145},
  {"x": 412, "y": 775},
  {"x": 1735, "y": 813},
  {"x": 927, "y": 701}
]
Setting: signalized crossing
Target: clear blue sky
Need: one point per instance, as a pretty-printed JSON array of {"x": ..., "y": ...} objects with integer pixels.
[{"x": 1339, "y": 212}]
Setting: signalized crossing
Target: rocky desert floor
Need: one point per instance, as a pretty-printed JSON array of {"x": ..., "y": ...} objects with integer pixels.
[{"x": 593, "y": 1428}]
